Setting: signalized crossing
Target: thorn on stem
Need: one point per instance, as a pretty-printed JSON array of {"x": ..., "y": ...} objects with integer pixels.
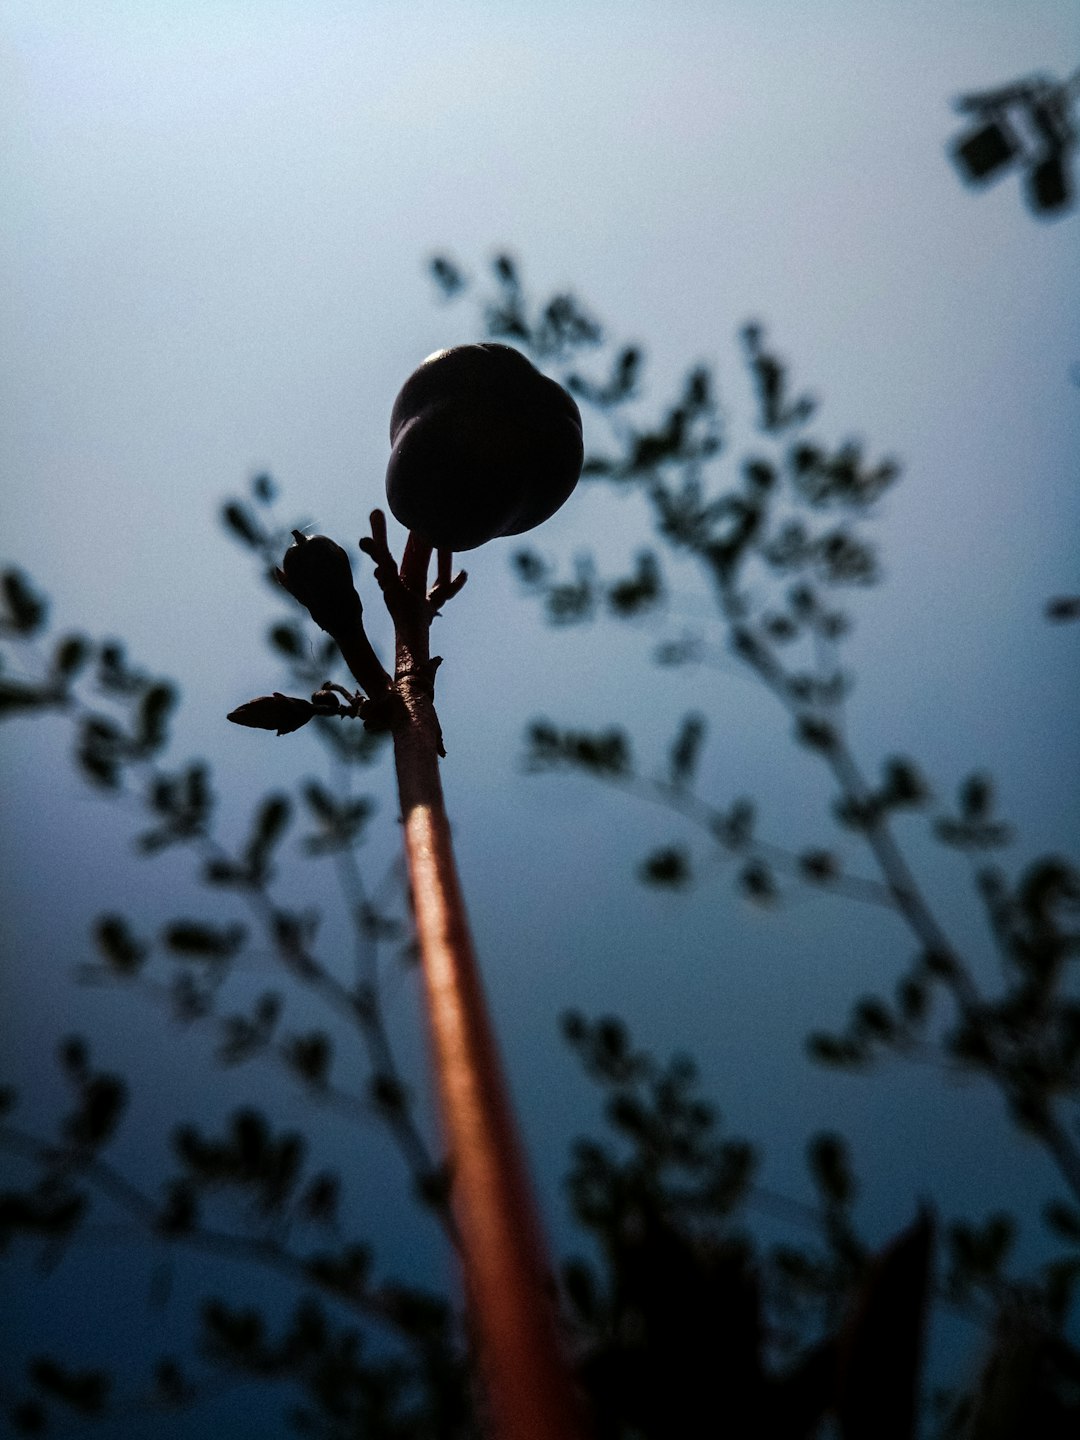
[
  {"x": 441, "y": 592},
  {"x": 377, "y": 547}
]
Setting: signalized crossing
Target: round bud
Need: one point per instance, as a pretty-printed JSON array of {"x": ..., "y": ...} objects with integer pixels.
[{"x": 482, "y": 445}]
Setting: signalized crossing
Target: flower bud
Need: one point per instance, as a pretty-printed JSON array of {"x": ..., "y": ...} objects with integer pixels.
[
  {"x": 317, "y": 572},
  {"x": 483, "y": 445}
]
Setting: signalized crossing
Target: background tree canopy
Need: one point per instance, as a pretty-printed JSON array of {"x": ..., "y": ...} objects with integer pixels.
[{"x": 729, "y": 522}]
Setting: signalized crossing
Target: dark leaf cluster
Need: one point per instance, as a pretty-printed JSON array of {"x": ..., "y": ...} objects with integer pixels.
[
  {"x": 1028, "y": 124},
  {"x": 606, "y": 753},
  {"x": 683, "y": 1322}
]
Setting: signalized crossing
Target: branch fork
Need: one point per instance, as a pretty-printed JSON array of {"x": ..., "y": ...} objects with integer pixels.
[{"x": 316, "y": 572}]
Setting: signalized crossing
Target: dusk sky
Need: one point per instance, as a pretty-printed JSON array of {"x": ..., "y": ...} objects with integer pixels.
[{"x": 216, "y": 219}]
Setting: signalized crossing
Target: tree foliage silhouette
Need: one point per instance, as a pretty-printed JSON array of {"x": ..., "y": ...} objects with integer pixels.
[
  {"x": 681, "y": 1319},
  {"x": 1027, "y": 124}
]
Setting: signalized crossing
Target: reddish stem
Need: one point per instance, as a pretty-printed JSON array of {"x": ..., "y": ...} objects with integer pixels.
[
  {"x": 445, "y": 569},
  {"x": 507, "y": 1276},
  {"x": 415, "y": 562}
]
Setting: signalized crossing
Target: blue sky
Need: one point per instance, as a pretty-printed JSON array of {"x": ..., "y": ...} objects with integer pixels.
[{"x": 215, "y": 223}]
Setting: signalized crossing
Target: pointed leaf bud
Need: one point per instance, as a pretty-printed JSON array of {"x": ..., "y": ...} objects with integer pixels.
[{"x": 283, "y": 713}]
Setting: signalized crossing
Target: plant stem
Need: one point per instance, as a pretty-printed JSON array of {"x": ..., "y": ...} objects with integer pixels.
[{"x": 508, "y": 1282}]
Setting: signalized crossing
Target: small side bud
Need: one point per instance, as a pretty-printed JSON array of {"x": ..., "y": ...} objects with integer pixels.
[{"x": 281, "y": 713}]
